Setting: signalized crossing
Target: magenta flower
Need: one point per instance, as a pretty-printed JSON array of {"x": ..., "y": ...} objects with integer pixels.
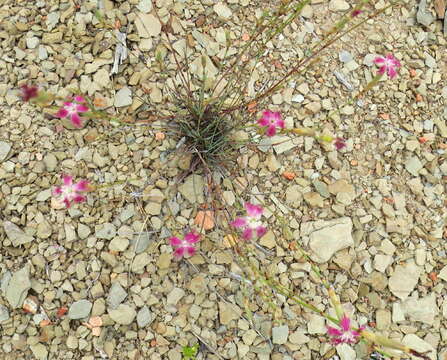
[
  {"x": 28, "y": 92},
  {"x": 339, "y": 143},
  {"x": 355, "y": 13},
  {"x": 272, "y": 120},
  {"x": 72, "y": 110},
  {"x": 344, "y": 335},
  {"x": 251, "y": 223},
  {"x": 388, "y": 64},
  {"x": 186, "y": 246},
  {"x": 69, "y": 192}
]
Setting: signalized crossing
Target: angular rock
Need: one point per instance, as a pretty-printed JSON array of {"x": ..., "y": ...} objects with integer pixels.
[
  {"x": 338, "y": 5},
  {"x": 280, "y": 334},
  {"x": 4, "y": 150},
  {"x": 4, "y": 313},
  {"x": 228, "y": 312},
  {"x": 17, "y": 287},
  {"x": 192, "y": 189},
  {"x": 222, "y": 11},
  {"x": 416, "y": 343},
  {"x": 116, "y": 295},
  {"x": 423, "y": 310},
  {"x": 123, "y": 97},
  {"x": 106, "y": 231},
  {"x": 79, "y": 309},
  {"x": 15, "y": 234},
  {"x": 331, "y": 236},
  {"x": 147, "y": 25},
  {"x": 175, "y": 295},
  {"x": 404, "y": 279},
  {"x": 124, "y": 314},
  {"x": 144, "y": 317}
]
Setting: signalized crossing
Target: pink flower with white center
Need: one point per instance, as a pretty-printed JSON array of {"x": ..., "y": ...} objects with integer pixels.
[
  {"x": 388, "y": 64},
  {"x": 184, "y": 246},
  {"x": 272, "y": 120},
  {"x": 70, "y": 192},
  {"x": 251, "y": 223},
  {"x": 344, "y": 335},
  {"x": 72, "y": 109}
]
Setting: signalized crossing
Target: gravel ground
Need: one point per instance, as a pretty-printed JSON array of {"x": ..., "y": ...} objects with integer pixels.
[{"x": 373, "y": 215}]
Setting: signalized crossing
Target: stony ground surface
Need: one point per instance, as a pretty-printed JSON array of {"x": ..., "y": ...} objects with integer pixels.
[{"x": 373, "y": 216}]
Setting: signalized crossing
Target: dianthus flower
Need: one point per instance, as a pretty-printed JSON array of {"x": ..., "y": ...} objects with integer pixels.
[
  {"x": 344, "y": 335},
  {"x": 339, "y": 143},
  {"x": 72, "y": 109},
  {"x": 251, "y": 223},
  {"x": 272, "y": 120},
  {"x": 388, "y": 64},
  {"x": 184, "y": 246},
  {"x": 69, "y": 192}
]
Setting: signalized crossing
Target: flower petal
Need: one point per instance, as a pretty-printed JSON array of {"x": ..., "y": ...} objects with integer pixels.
[
  {"x": 79, "y": 198},
  {"x": 333, "y": 331},
  {"x": 253, "y": 210},
  {"x": 81, "y": 108},
  {"x": 345, "y": 323},
  {"x": 67, "y": 179},
  {"x": 379, "y": 60},
  {"x": 190, "y": 250},
  {"x": 263, "y": 121},
  {"x": 76, "y": 120},
  {"x": 179, "y": 252},
  {"x": 174, "y": 241},
  {"x": 239, "y": 222},
  {"x": 247, "y": 234},
  {"x": 79, "y": 98},
  {"x": 81, "y": 186},
  {"x": 61, "y": 113},
  {"x": 192, "y": 238},
  {"x": 260, "y": 231},
  {"x": 57, "y": 190},
  {"x": 271, "y": 131}
]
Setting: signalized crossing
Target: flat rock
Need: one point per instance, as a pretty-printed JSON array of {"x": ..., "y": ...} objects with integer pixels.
[
  {"x": 413, "y": 165},
  {"x": 222, "y": 10},
  {"x": 15, "y": 234},
  {"x": 192, "y": 189},
  {"x": 404, "y": 279},
  {"x": 228, "y": 312},
  {"x": 424, "y": 309},
  {"x": 106, "y": 231},
  {"x": 144, "y": 317},
  {"x": 39, "y": 351},
  {"x": 139, "y": 263},
  {"x": 17, "y": 287},
  {"x": 330, "y": 237},
  {"x": 147, "y": 25},
  {"x": 124, "y": 314},
  {"x": 123, "y": 97},
  {"x": 174, "y": 296},
  {"x": 4, "y": 313},
  {"x": 4, "y": 150},
  {"x": 346, "y": 352},
  {"x": 116, "y": 295},
  {"x": 280, "y": 334},
  {"x": 79, "y": 309},
  {"x": 338, "y": 5},
  {"x": 415, "y": 342}
]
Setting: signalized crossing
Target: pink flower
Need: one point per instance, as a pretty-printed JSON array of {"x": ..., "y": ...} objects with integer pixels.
[
  {"x": 271, "y": 119},
  {"x": 28, "y": 92},
  {"x": 387, "y": 64},
  {"x": 344, "y": 335},
  {"x": 250, "y": 223},
  {"x": 339, "y": 143},
  {"x": 69, "y": 192},
  {"x": 355, "y": 13},
  {"x": 71, "y": 110},
  {"x": 186, "y": 246}
]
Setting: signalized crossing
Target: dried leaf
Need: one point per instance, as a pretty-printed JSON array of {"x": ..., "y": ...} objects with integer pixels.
[
  {"x": 205, "y": 219},
  {"x": 440, "y": 8}
]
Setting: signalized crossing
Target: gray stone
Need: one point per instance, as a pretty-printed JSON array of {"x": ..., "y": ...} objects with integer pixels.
[
  {"x": 39, "y": 351},
  {"x": 175, "y": 295},
  {"x": 17, "y": 287},
  {"x": 280, "y": 334},
  {"x": 144, "y": 317},
  {"x": 192, "y": 189},
  {"x": 404, "y": 279},
  {"x": 4, "y": 150},
  {"x": 79, "y": 309},
  {"x": 119, "y": 244},
  {"x": 116, "y": 295},
  {"x": 228, "y": 312},
  {"x": 4, "y": 313},
  {"x": 331, "y": 236},
  {"x": 15, "y": 234},
  {"x": 345, "y": 56},
  {"x": 106, "y": 231},
  {"x": 145, "y": 6},
  {"x": 50, "y": 162},
  {"x": 222, "y": 10},
  {"x": 139, "y": 263},
  {"x": 338, "y": 5},
  {"x": 413, "y": 165},
  {"x": 423, "y": 16},
  {"x": 141, "y": 242},
  {"x": 346, "y": 352},
  {"x": 423, "y": 310},
  {"x": 32, "y": 42},
  {"x": 123, "y": 97},
  {"x": 124, "y": 314}
]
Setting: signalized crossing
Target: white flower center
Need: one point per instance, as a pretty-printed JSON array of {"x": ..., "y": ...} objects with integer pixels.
[{"x": 253, "y": 223}]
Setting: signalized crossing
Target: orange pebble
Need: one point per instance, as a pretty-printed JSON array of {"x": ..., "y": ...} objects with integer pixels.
[
  {"x": 412, "y": 72},
  {"x": 385, "y": 116},
  {"x": 418, "y": 97},
  {"x": 433, "y": 276},
  {"x": 245, "y": 37},
  {"x": 159, "y": 136},
  {"x": 288, "y": 175}
]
